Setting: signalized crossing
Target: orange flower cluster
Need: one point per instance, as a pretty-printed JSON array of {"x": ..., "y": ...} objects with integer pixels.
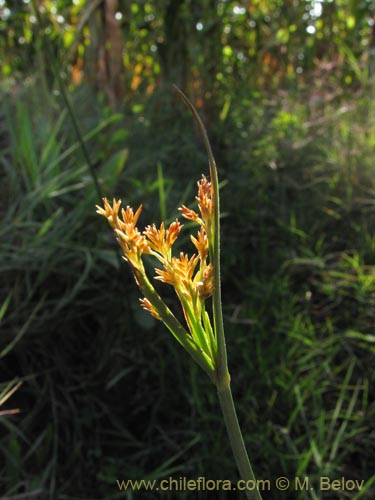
[{"x": 192, "y": 277}]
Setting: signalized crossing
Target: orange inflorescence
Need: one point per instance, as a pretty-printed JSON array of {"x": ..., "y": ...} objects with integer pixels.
[{"x": 192, "y": 277}]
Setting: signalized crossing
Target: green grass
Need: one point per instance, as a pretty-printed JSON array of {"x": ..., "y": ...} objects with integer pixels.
[{"x": 105, "y": 394}]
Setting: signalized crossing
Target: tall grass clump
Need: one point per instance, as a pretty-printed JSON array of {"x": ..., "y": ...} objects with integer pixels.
[
  {"x": 48, "y": 262},
  {"x": 307, "y": 261}
]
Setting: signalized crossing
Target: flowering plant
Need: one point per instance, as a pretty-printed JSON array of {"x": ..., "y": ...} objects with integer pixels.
[{"x": 195, "y": 279}]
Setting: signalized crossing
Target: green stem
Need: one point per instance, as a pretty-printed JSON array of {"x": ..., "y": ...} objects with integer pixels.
[{"x": 237, "y": 443}]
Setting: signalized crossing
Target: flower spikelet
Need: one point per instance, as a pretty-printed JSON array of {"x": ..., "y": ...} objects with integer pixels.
[
  {"x": 110, "y": 212},
  {"x": 206, "y": 286},
  {"x": 201, "y": 244},
  {"x": 173, "y": 232},
  {"x": 146, "y": 304},
  {"x": 204, "y": 198},
  {"x": 166, "y": 275},
  {"x": 179, "y": 271},
  {"x": 185, "y": 267},
  {"x": 205, "y": 205},
  {"x": 190, "y": 214},
  {"x": 161, "y": 240},
  {"x": 133, "y": 243}
]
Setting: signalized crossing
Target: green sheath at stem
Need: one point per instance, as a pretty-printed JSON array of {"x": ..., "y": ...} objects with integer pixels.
[{"x": 237, "y": 443}]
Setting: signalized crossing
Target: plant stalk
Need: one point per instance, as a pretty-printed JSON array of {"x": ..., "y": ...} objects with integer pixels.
[
  {"x": 222, "y": 376},
  {"x": 237, "y": 443}
]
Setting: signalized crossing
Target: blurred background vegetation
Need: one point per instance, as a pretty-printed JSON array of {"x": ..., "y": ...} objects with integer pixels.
[{"x": 94, "y": 390}]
